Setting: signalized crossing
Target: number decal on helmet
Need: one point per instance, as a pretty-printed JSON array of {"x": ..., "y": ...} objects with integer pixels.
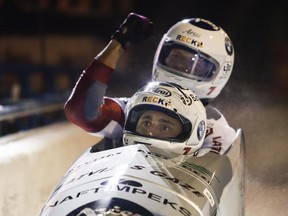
[
  {"x": 186, "y": 150},
  {"x": 212, "y": 88}
]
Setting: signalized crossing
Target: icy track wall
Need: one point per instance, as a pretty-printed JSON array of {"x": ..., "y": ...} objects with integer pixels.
[{"x": 32, "y": 162}]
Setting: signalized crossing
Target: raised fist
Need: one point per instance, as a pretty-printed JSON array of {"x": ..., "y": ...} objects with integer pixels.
[{"x": 134, "y": 29}]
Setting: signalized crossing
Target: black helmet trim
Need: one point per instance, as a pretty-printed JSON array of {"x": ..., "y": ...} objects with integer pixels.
[{"x": 204, "y": 24}]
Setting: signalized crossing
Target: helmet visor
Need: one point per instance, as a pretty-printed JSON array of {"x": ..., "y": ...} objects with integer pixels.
[
  {"x": 156, "y": 122},
  {"x": 187, "y": 62}
]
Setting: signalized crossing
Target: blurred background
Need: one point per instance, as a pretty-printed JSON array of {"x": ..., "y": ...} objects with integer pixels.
[{"x": 45, "y": 45}]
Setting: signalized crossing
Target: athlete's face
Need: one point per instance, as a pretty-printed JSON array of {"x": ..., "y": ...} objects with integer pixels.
[
  {"x": 185, "y": 61},
  {"x": 158, "y": 125}
]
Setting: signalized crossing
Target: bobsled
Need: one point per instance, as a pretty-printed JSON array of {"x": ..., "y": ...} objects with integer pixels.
[{"x": 132, "y": 180}]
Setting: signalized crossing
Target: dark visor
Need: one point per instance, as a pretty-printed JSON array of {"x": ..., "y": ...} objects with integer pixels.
[{"x": 187, "y": 62}]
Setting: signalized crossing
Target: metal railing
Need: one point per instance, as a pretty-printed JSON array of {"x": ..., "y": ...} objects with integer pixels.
[
  {"x": 28, "y": 108},
  {"x": 32, "y": 108},
  {"x": 29, "y": 114}
]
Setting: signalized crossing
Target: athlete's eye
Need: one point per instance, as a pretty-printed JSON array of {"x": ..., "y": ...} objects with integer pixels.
[{"x": 165, "y": 128}]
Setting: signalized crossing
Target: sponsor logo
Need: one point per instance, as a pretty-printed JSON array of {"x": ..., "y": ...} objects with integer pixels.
[
  {"x": 186, "y": 100},
  {"x": 227, "y": 67},
  {"x": 189, "y": 40},
  {"x": 201, "y": 130},
  {"x": 157, "y": 100},
  {"x": 191, "y": 32},
  {"x": 111, "y": 206},
  {"x": 162, "y": 91},
  {"x": 228, "y": 46},
  {"x": 216, "y": 140},
  {"x": 209, "y": 196},
  {"x": 200, "y": 171},
  {"x": 131, "y": 187}
]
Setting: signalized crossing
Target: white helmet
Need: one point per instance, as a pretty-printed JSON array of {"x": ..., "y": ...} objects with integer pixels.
[
  {"x": 175, "y": 101},
  {"x": 205, "y": 61}
]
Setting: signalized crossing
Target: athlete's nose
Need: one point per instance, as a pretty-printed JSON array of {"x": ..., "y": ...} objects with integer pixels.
[{"x": 152, "y": 131}]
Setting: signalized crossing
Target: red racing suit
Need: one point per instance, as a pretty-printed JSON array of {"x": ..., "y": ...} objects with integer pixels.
[{"x": 88, "y": 108}]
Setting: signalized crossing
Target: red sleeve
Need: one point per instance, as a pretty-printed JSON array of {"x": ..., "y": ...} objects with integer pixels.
[
  {"x": 98, "y": 71},
  {"x": 109, "y": 110}
]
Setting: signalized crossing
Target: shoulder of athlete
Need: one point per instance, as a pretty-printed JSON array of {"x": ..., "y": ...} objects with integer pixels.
[
  {"x": 122, "y": 101},
  {"x": 219, "y": 135},
  {"x": 214, "y": 115}
]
